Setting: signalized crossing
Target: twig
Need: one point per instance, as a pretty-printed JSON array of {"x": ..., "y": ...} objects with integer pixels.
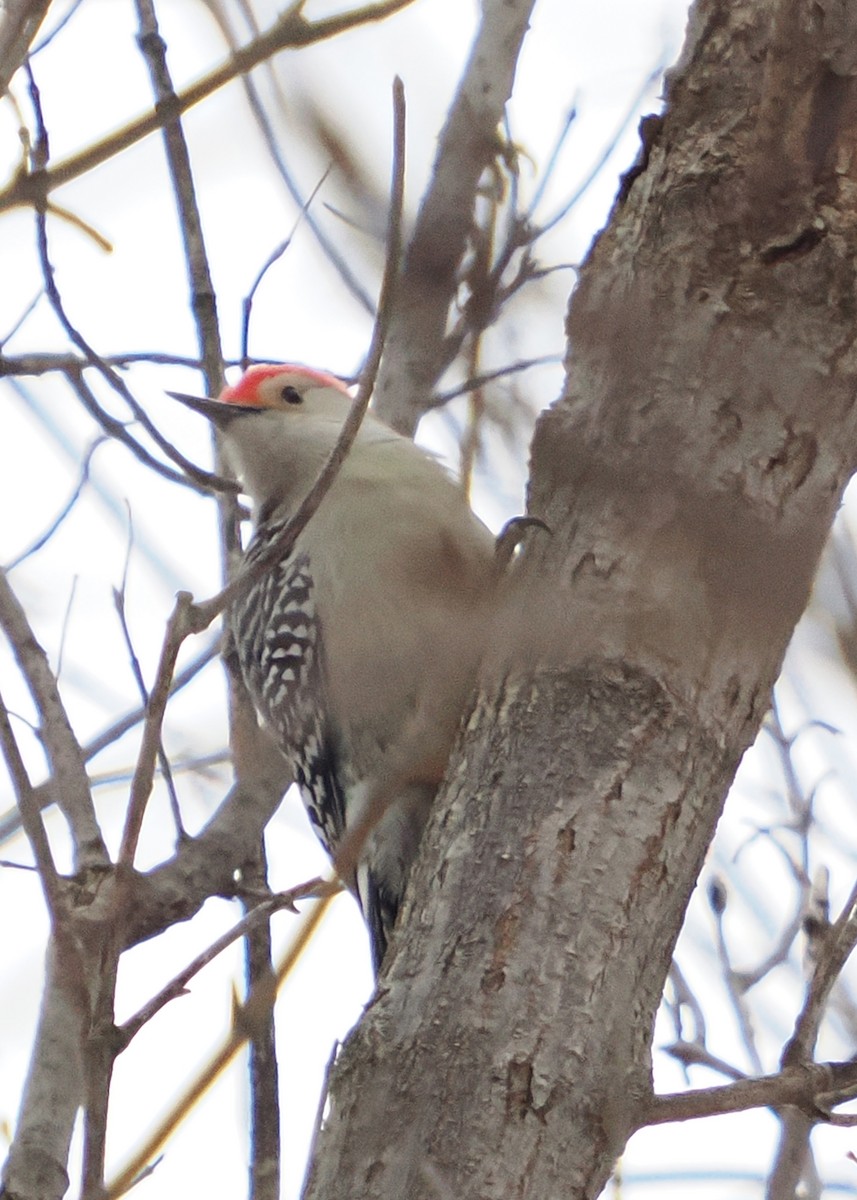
[
  {"x": 695, "y": 1054},
  {"x": 43, "y": 539},
  {"x": 194, "y": 475},
  {"x": 200, "y": 481},
  {"x": 274, "y": 256},
  {"x": 247, "y": 304},
  {"x": 554, "y": 156},
  {"x": 28, "y": 309},
  {"x": 137, "y": 672},
  {"x": 599, "y": 164},
  {"x": 477, "y": 381},
  {"x": 58, "y": 28},
  {"x": 66, "y": 620},
  {"x": 735, "y": 988},
  {"x": 319, "y": 1112},
  {"x": 197, "y": 764}
]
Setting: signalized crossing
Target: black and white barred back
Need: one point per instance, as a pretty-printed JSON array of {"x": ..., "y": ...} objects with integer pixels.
[{"x": 280, "y": 650}]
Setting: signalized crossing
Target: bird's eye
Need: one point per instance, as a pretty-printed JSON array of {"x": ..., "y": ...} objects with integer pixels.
[{"x": 291, "y": 395}]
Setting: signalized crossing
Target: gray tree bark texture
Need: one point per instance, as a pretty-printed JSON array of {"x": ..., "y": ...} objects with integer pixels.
[{"x": 689, "y": 475}]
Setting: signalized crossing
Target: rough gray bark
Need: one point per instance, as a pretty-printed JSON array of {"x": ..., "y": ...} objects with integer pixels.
[{"x": 689, "y": 475}]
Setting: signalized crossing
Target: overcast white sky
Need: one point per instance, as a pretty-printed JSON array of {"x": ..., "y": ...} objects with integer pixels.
[{"x": 92, "y": 78}]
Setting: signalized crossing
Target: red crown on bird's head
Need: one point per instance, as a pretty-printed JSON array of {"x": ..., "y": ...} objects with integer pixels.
[{"x": 245, "y": 390}]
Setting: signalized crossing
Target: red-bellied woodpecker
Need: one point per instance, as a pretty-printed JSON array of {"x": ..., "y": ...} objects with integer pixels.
[{"x": 360, "y": 647}]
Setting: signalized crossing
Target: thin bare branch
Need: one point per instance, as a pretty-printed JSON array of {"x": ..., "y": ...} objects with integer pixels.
[
  {"x": 203, "y": 299},
  {"x": 274, "y": 256},
  {"x": 247, "y": 1018},
  {"x": 63, "y": 750},
  {"x": 833, "y": 954},
  {"x": 264, "y": 1072},
  {"x": 178, "y": 984},
  {"x": 43, "y": 538},
  {"x": 31, "y": 817},
  {"x": 247, "y": 304},
  {"x": 195, "y": 477},
  {"x": 206, "y": 611},
  {"x": 599, "y": 164},
  {"x": 58, "y": 28},
  {"x": 736, "y": 989},
  {"x": 43, "y": 363},
  {"x": 417, "y": 353},
  {"x": 694, "y": 1054},
  {"x": 290, "y": 31},
  {"x": 18, "y": 323},
  {"x": 812, "y": 1088},
  {"x": 477, "y": 381}
]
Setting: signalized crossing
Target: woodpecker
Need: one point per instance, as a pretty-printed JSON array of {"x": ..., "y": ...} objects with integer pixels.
[{"x": 359, "y": 647}]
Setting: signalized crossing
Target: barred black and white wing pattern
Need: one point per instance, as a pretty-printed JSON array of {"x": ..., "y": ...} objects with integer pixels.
[{"x": 281, "y": 652}]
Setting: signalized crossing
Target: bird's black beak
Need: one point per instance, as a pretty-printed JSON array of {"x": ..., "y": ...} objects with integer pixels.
[{"x": 220, "y": 414}]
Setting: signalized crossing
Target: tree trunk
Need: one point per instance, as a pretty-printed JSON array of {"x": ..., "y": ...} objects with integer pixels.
[{"x": 689, "y": 476}]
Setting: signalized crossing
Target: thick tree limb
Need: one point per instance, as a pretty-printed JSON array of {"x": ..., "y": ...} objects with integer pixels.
[
  {"x": 415, "y": 356},
  {"x": 689, "y": 475}
]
